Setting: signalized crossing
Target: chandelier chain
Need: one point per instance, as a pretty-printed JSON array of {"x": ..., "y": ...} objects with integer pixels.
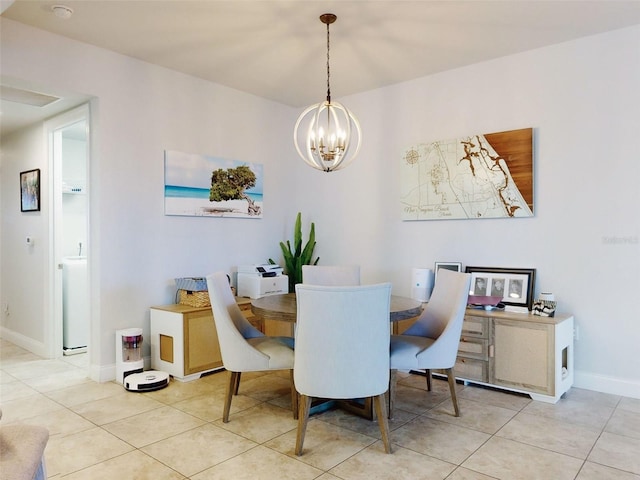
[{"x": 328, "y": 70}]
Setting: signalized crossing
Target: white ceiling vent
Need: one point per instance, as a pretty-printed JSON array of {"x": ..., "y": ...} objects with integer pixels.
[{"x": 26, "y": 97}]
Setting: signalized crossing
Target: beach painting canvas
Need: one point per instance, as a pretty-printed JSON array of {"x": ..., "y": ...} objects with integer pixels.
[{"x": 205, "y": 186}]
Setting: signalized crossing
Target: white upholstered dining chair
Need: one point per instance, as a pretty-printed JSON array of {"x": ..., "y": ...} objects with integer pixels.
[
  {"x": 342, "y": 348},
  {"x": 331, "y": 275},
  {"x": 243, "y": 347},
  {"x": 432, "y": 341}
]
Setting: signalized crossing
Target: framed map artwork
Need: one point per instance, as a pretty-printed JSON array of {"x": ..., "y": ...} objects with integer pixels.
[{"x": 477, "y": 176}]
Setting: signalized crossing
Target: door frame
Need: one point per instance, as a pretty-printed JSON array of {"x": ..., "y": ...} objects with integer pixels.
[{"x": 53, "y": 134}]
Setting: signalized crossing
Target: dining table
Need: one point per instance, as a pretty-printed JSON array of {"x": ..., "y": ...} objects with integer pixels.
[{"x": 283, "y": 308}]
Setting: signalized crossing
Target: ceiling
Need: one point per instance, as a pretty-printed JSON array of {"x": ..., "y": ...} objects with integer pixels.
[{"x": 277, "y": 49}]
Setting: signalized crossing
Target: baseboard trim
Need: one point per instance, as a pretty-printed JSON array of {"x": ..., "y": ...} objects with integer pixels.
[
  {"x": 606, "y": 384},
  {"x": 107, "y": 373},
  {"x": 102, "y": 373},
  {"x": 35, "y": 347}
]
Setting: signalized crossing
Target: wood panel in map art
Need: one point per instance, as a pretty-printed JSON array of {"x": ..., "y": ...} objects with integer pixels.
[{"x": 477, "y": 176}]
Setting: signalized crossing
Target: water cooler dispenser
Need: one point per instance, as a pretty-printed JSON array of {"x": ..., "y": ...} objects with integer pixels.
[{"x": 130, "y": 364}]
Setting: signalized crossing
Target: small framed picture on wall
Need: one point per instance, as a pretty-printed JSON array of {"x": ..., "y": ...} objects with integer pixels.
[{"x": 30, "y": 190}]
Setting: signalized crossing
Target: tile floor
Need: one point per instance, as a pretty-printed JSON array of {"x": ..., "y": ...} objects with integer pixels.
[{"x": 101, "y": 431}]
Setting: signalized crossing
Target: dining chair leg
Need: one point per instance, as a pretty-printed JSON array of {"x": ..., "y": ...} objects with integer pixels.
[
  {"x": 393, "y": 380},
  {"x": 452, "y": 388},
  {"x": 236, "y": 386},
  {"x": 294, "y": 397},
  {"x": 303, "y": 419},
  {"x": 383, "y": 423},
  {"x": 428, "y": 372},
  {"x": 231, "y": 387}
]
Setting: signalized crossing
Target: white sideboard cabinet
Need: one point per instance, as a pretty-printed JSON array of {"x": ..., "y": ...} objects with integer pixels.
[{"x": 519, "y": 352}]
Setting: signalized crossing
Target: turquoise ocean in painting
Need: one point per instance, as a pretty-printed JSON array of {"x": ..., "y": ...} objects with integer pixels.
[{"x": 173, "y": 191}]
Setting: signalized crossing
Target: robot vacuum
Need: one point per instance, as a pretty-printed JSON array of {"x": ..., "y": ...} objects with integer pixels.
[{"x": 146, "y": 381}]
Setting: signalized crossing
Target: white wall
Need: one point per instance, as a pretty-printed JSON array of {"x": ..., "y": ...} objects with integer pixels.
[
  {"x": 23, "y": 267},
  {"x": 581, "y": 97},
  {"x": 136, "y": 251}
]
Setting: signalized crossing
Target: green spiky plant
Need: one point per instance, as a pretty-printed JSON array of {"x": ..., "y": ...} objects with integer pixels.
[{"x": 295, "y": 259}]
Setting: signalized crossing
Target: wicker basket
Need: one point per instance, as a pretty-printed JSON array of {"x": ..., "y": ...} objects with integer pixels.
[
  {"x": 194, "y": 299},
  {"x": 193, "y": 284}
]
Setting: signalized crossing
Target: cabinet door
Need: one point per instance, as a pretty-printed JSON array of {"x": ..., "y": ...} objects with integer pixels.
[
  {"x": 523, "y": 356},
  {"x": 402, "y": 325},
  {"x": 201, "y": 347},
  {"x": 276, "y": 328}
]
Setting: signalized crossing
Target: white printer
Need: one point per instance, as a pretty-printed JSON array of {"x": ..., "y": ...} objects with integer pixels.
[{"x": 256, "y": 281}]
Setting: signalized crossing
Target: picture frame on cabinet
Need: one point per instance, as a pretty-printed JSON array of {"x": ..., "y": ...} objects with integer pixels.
[
  {"x": 454, "y": 266},
  {"x": 30, "y": 190},
  {"x": 514, "y": 285}
]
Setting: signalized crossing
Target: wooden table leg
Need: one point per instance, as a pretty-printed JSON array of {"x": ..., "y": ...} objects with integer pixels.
[{"x": 393, "y": 380}]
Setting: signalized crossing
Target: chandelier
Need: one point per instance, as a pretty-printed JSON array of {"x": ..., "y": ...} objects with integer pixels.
[{"x": 327, "y": 136}]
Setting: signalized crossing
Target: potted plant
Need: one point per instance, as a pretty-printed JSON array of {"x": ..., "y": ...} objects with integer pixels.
[{"x": 296, "y": 258}]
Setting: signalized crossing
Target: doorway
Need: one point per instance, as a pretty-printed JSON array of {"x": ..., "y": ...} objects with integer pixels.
[{"x": 68, "y": 137}]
